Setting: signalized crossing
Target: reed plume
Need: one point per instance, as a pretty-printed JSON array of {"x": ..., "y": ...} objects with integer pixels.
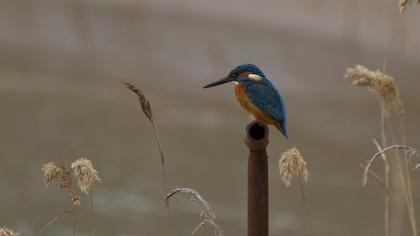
[
  {"x": 61, "y": 173},
  {"x": 292, "y": 164},
  {"x": 405, "y": 3},
  {"x": 4, "y": 231},
  {"x": 380, "y": 84},
  {"x": 87, "y": 177},
  {"x": 397, "y": 180}
]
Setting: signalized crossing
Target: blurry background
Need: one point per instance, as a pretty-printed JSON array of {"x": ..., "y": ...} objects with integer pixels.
[{"x": 61, "y": 64}]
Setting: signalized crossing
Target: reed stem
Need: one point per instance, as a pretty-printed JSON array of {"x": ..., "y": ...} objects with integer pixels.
[
  {"x": 306, "y": 210},
  {"x": 92, "y": 213}
]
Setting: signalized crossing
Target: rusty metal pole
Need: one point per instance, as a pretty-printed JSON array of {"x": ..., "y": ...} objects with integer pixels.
[{"x": 257, "y": 141}]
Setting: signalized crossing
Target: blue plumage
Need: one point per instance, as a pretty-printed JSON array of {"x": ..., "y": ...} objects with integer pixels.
[
  {"x": 257, "y": 95},
  {"x": 267, "y": 98},
  {"x": 248, "y": 67}
]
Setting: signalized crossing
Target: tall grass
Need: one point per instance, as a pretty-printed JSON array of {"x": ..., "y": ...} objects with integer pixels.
[
  {"x": 397, "y": 179},
  {"x": 207, "y": 214},
  {"x": 147, "y": 110}
]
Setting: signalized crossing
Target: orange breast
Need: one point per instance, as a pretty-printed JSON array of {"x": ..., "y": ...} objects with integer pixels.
[{"x": 246, "y": 103}]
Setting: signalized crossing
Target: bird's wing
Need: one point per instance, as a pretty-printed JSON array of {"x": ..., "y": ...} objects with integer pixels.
[{"x": 268, "y": 99}]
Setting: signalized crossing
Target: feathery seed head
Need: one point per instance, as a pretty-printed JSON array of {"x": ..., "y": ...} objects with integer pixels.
[
  {"x": 380, "y": 84},
  {"x": 86, "y": 175},
  {"x": 405, "y": 3},
  {"x": 60, "y": 173},
  {"x": 145, "y": 104},
  {"x": 51, "y": 172},
  {"x": 292, "y": 164},
  {"x": 8, "y": 232}
]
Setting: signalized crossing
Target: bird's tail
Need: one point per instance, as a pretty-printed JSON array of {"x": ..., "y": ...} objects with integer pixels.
[{"x": 283, "y": 129}]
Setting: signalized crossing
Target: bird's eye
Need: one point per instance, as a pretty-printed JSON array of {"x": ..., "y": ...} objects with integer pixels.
[{"x": 233, "y": 74}]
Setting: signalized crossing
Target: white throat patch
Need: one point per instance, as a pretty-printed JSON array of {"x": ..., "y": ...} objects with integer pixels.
[{"x": 254, "y": 77}]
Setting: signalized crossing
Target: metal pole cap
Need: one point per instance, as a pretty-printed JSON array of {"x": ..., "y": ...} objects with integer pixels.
[{"x": 257, "y": 135}]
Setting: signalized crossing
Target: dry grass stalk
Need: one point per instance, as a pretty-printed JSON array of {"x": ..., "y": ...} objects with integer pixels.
[
  {"x": 409, "y": 149},
  {"x": 60, "y": 173},
  {"x": 405, "y": 3},
  {"x": 380, "y": 84},
  {"x": 8, "y": 232},
  {"x": 378, "y": 178},
  {"x": 388, "y": 95},
  {"x": 55, "y": 218},
  {"x": 387, "y": 169},
  {"x": 417, "y": 166},
  {"x": 147, "y": 110},
  {"x": 209, "y": 218},
  {"x": 292, "y": 164},
  {"x": 407, "y": 175},
  {"x": 86, "y": 175}
]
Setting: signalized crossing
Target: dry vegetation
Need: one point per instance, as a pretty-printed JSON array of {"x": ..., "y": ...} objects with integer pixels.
[
  {"x": 395, "y": 181},
  {"x": 397, "y": 177},
  {"x": 395, "y": 154},
  {"x": 405, "y": 3},
  {"x": 207, "y": 214},
  {"x": 8, "y": 232},
  {"x": 292, "y": 164},
  {"x": 87, "y": 177}
]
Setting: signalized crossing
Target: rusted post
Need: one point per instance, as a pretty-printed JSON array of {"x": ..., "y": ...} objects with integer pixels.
[{"x": 257, "y": 141}]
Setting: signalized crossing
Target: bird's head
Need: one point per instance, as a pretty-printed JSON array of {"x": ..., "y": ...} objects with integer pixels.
[{"x": 242, "y": 73}]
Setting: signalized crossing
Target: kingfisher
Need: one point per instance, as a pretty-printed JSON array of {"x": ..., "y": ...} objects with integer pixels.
[{"x": 257, "y": 95}]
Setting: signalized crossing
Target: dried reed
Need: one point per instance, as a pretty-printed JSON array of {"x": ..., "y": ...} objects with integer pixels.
[
  {"x": 4, "y": 231},
  {"x": 147, "y": 110},
  {"x": 60, "y": 173},
  {"x": 378, "y": 178},
  {"x": 55, "y": 218},
  {"x": 209, "y": 218},
  {"x": 412, "y": 151},
  {"x": 384, "y": 87},
  {"x": 87, "y": 177},
  {"x": 405, "y": 3},
  {"x": 380, "y": 84},
  {"x": 292, "y": 164},
  {"x": 145, "y": 104}
]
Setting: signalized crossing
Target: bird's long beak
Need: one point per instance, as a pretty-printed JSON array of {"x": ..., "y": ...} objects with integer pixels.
[{"x": 219, "y": 82}]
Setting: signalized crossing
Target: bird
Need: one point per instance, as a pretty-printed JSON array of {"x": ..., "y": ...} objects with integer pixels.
[{"x": 257, "y": 95}]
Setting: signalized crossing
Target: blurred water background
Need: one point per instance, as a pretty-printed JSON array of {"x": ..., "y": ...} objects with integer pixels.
[{"x": 61, "y": 64}]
